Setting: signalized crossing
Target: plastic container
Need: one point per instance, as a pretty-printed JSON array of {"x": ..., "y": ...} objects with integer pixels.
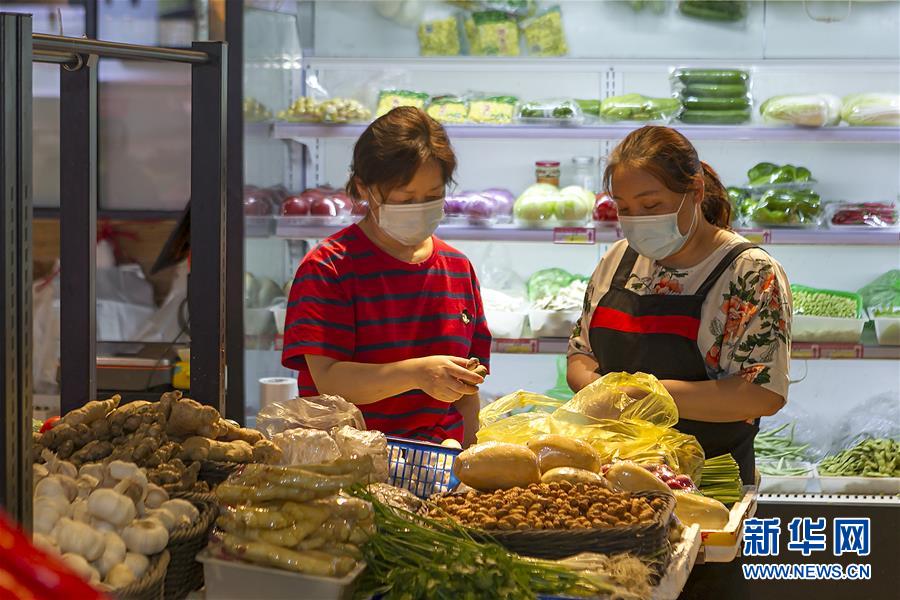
[
  {"x": 238, "y": 580},
  {"x": 808, "y": 328},
  {"x": 550, "y": 112},
  {"x": 788, "y": 484},
  {"x": 584, "y": 173},
  {"x": 420, "y": 467},
  {"x": 887, "y": 330},
  {"x": 800, "y": 290},
  {"x": 505, "y": 325},
  {"x": 859, "y": 485},
  {"x": 552, "y": 323}
]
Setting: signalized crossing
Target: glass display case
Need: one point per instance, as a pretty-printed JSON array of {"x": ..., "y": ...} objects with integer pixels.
[{"x": 302, "y": 54}]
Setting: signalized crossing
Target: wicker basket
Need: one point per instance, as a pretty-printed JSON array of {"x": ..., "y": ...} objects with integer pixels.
[
  {"x": 215, "y": 472},
  {"x": 185, "y": 574},
  {"x": 648, "y": 539},
  {"x": 152, "y": 585}
]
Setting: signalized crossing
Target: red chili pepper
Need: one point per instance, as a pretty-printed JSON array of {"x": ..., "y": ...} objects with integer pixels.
[{"x": 49, "y": 424}]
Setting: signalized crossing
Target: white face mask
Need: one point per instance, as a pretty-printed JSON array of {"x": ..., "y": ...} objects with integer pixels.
[
  {"x": 657, "y": 236},
  {"x": 410, "y": 224}
]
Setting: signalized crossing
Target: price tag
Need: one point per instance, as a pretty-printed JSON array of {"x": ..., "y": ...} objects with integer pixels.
[
  {"x": 519, "y": 346},
  {"x": 757, "y": 236},
  {"x": 574, "y": 235},
  {"x": 855, "y": 351},
  {"x": 279, "y": 342},
  {"x": 799, "y": 350}
]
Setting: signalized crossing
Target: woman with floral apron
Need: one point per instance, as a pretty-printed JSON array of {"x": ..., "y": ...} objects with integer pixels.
[{"x": 686, "y": 299}]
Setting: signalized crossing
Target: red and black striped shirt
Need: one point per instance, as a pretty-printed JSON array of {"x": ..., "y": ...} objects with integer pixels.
[{"x": 352, "y": 301}]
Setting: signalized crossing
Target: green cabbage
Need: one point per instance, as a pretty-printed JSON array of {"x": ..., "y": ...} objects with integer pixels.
[
  {"x": 872, "y": 109},
  {"x": 812, "y": 110}
]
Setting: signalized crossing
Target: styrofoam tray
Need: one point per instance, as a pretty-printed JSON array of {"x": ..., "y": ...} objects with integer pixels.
[
  {"x": 859, "y": 485},
  {"x": 807, "y": 328},
  {"x": 237, "y": 580},
  {"x": 723, "y": 545}
]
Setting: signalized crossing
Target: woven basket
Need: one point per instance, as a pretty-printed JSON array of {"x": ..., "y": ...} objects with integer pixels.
[
  {"x": 642, "y": 540},
  {"x": 152, "y": 584},
  {"x": 185, "y": 574},
  {"x": 215, "y": 472}
]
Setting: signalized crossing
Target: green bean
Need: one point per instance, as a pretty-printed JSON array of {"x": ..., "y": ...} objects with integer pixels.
[{"x": 869, "y": 458}]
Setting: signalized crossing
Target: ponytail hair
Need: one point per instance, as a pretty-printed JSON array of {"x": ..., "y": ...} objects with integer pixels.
[{"x": 670, "y": 157}]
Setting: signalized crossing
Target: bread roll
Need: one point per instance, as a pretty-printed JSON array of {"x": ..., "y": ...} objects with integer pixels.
[
  {"x": 497, "y": 466},
  {"x": 572, "y": 475},
  {"x": 555, "y": 451}
]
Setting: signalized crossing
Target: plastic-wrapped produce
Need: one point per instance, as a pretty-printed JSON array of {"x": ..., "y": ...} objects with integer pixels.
[
  {"x": 537, "y": 203},
  {"x": 810, "y": 110},
  {"x": 544, "y": 34},
  {"x": 562, "y": 111},
  {"x": 342, "y": 110},
  {"x": 388, "y": 100},
  {"x": 713, "y": 96},
  {"x": 825, "y": 303},
  {"x": 493, "y": 33},
  {"x": 637, "y": 107},
  {"x": 715, "y": 11},
  {"x": 787, "y": 208},
  {"x": 493, "y": 110},
  {"x": 690, "y": 76},
  {"x": 306, "y": 447},
  {"x": 864, "y": 214},
  {"x": 574, "y": 205},
  {"x": 448, "y": 109},
  {"x": 872, "y": 109},
  {"x": 439, "y": 37}
]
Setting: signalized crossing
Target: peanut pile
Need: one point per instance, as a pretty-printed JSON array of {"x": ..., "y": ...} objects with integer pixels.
[{"x": 547, "y": 506}]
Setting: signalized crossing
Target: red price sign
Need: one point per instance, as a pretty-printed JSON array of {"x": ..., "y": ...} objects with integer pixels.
[{"x": 574, "y": 235}]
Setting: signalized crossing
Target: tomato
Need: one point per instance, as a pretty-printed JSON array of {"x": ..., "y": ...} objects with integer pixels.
[
  {"x": 605, "y": 209},
  {"x": 49, "y": 424}
]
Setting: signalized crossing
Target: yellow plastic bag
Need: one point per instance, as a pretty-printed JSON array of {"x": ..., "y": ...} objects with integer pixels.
[
  {"x": 606, "y": 399},
  {"x": 514, "y": 404},
  {"x": 642, "y": 433}
]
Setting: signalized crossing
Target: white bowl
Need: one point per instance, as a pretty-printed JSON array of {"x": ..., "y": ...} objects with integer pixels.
[{"x": 505, "y": 325}]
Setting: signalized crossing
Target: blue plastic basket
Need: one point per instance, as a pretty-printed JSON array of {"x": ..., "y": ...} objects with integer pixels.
[{"x": 421, "y": 467}]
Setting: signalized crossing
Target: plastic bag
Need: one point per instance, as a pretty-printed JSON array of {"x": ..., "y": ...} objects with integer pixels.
[
  {"x": 493, "y": 33},
  {"x": 388, "y": 100},
  {"x": 306, "y": 447},
  {"x": 319, "y": 106},
  {"x": 439, "y": 37},
  {"x": 605, "y": 398},
  {"x": 714, "y": 11},
  {"x": 448, "y": 109},
  {"x": 883, "y": 292},
  {"x": 639, "y": 108},
  {"x": 877, "y": 417},
  {"x": 353, "y": 442},
  {"x": 544, "y": 34},
  {"x": 561, "y": 111},
  {"x": 492, "y": 110},
  {"x": 517, "y": 403},
  {"x": 872, "y": 110},
  {"x": 812, "y": 110},
  {"x": 318, "y": 412}
]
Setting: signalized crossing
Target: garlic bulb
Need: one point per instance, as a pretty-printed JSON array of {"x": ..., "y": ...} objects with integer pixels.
[
  {"x": 165, "y": 518},
  {"x": 80, "y": 511},
  {"x": 44, "y": 542},
  {"x": 145, "y": 536},
  {"x": 47, "y": 511},
  {"x": 95, "y": 470},
  {"x": 111, "y": 506},
  {"x": 182, "y": 508},
  {"x": 59, "y": 486},
  {"x": 138, "y": 563},
  {"x": 155, "y": 496},
  {"x": 81, "y": 567},
  {"x": 79, "y": 538},
  {"x": 120, "y": 470},
  {"x": 119, "y": 576},
  {"x": 86, "y": 484},
  {"x": 57, "y": 466},
  {"x": 113, "y": 553},
  {"x": 38, "y": 472},
  {"x": 102, "y": 526}
]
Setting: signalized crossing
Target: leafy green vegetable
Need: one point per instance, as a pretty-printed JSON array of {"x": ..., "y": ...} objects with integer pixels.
[
  {"x": 872, "y": 109},
  {"x": 766, "y": 173},
  {"x": 811, "y": 110},
  {"x": 548, "y": 282},
  {"x": 637, "y": 107}
]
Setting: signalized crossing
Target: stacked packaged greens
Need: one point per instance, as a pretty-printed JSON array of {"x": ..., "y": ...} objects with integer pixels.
[
  {"x": 439, "y": 37},
  {"x": 778, "y": 196},
  {"x": 388, "y": 100},
  {"x": 713, "y": 96}
]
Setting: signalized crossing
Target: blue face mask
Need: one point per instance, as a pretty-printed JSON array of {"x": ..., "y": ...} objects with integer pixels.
[{"x": 657, "y": 236}]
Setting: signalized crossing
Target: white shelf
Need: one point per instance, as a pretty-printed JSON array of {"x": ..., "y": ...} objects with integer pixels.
[
  {"x": 832, "y": 499},
  {"x": 602, "y": 235},
  {"x": 726, "y": 133}
]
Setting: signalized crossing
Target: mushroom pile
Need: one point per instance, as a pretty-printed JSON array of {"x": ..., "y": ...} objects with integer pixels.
[{"x": 104, "y": 520}]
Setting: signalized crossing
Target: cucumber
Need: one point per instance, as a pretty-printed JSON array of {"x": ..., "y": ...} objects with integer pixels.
[
  {"x": 715, "y": 90},
  {"x": 712, "y": 103},
  {"x": 715, "y": 117},
  {"x": 691, "y": 76}
]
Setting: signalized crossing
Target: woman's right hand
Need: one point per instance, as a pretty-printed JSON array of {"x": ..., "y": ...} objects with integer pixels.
[{"x": 445, "y": 378}]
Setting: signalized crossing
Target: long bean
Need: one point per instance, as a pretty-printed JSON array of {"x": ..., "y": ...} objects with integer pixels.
[{"x": 771, "y": 445}]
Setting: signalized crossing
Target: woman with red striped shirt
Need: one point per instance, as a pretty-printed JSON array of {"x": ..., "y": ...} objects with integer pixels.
[{"x": 384, "y": 313}]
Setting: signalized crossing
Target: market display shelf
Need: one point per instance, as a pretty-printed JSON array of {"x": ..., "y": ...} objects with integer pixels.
[
  {"x": 731, "y": 133},
  {"x": 291, "y": 228},
  {"x": 838, "y": 499}
]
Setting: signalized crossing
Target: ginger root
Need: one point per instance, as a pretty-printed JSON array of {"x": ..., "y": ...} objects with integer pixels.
[
  {"x": 201, "y": 448},
  {"x": 267, "y": 452},
  {"x": 190, "y": 418}
]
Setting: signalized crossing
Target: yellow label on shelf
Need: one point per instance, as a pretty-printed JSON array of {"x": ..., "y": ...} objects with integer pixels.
[
  {"x": 520, "y": 346},
  {"x": 574, "y": 235}
]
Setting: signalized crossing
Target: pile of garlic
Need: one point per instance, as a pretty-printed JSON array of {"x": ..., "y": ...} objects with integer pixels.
[{"x": 105, "y": 520}]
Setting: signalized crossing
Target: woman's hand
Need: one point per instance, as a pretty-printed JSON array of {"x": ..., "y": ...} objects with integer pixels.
[{"x": 446, "y": 378}]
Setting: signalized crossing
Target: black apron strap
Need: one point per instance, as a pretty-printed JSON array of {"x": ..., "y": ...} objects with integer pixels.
[
  {"x": 729, "y": 258},
  {"x": 626, "y": 265}
]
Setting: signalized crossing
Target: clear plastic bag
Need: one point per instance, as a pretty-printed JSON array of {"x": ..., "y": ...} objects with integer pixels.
[
  {"x": 877, "y": 417},
  {"x": 390, "y": 99},
  {"x": 883, "y": 292},
  {"x": 810, "y": 110},
  {"x": 353, "y": 442},
  {"x": 448, "y": 109},
  {"x": 492, "y": 110},
  {"x": 317, "y": 412},
  {"x": 440, "y": 37},
  {"x": 881, "y": 110},
  {"x": 319, "y": 106},
  {"x": 519, "y": 403},
  {"x": 723, "y": 12},
  {"x": 787, "y": 208},
  {"x": 639, "y": 108},
  {"x": 492, "y": 33},
  {"x": 564, "y": 111},
  {"x": 544, "y": 34},
  {"x": 302, "y": 446}
]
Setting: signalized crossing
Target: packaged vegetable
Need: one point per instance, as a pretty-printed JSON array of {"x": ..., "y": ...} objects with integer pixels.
[
  {"x": 872, "y": 110},
  {"x": 690, "y": 76},
  {"x": 544, "y": 35},
  {"x": 811, "y": 110},
  {"x": 494, "y": 33},
  {"x": 497, "y": 466},
  {"x": 787, "y": 208},
  {"x": 574, "y": 205},
  {"x": 537, "y": 203},
  {"x": 694, "y": 508},
  {"x": 555, "y": 451},
  {"x": 519, "y": 8},
  {"x": 722, "y": 11},
  {"x": 769, "y": 174},
  {"x": 825, "y": 303},
  {"x": 493, "y": 110},
  {"x": 388, "y": 100},
  {"x": 865, "y": 214},
  {"x": 590, "y": 107},
  {"x": 716, "y": 103},
  {"x": 883, "y": 291},
  {"x": 869, "y": 458},
  {"x": 547, "y": 282},
  {"x": 439, "y": 37},
  {"x": 655, "y": 6},
  {"x": 715, "y": 117},
  {"x": 520, "y": 402},
  {"x": 342, "y": 110},
  {"x": 552, "y": 111},
  {"x": 637, "y": 107},
  {"x": 716, "y": 90},
  {"x": 606, "y": 398},
  {"x": 448, "y": 109}
]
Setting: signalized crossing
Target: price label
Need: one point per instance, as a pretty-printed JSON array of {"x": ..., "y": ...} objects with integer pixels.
[
  {"x": 518, "y": 346},
  {"x": 574, "y": 235},
  {"x": 279, "y": 342},
  {"x": 757, "y": 236},
  {"x": 799, "y": 350},
  {"x": 855, "y": 351}
]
